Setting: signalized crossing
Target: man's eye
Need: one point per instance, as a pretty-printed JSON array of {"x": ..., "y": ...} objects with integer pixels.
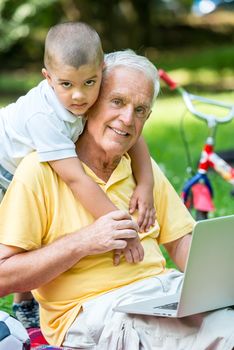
[
  {"x": 66, "y": 84},
  {"x": 140, "y": 110},
  {"x": 117, "y": 102},
  {"x": 90, "y": 82}
]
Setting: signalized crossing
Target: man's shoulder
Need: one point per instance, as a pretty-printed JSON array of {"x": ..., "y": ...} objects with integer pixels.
[
  {"x": 31, "y": 169},
  {"x": 158, "y": 169}
]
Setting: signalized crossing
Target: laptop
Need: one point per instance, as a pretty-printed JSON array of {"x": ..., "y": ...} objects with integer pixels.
[{"x": 208, "y": 280}]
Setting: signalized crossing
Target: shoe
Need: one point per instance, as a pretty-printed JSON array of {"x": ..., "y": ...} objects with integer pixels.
[{"x": 27, "y": 312}]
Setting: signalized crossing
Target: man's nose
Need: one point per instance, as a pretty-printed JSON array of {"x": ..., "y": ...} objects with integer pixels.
[{"x": 127, "y": 115}]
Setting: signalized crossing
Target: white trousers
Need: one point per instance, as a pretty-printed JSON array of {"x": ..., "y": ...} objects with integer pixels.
[{"x": 97, "y": 327}]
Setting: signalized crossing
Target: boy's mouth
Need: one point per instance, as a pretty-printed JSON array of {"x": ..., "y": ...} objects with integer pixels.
[{"x": 77, "y": 105}]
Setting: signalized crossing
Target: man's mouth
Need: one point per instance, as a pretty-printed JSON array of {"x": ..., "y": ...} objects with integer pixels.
[{"x": 120, "y": 132}]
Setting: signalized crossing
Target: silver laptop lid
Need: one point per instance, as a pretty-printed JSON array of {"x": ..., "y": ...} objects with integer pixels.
[{"x": 208, "y": 282}]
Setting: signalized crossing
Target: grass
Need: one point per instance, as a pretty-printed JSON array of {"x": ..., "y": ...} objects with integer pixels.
[
  {"x": 162, "y": 133},
  {"x": 162, "y": 130},
  {"x": 5, "y": 303}
]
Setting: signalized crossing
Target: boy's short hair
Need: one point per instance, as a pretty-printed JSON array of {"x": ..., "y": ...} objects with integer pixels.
[{"x": 73, "y": 43}]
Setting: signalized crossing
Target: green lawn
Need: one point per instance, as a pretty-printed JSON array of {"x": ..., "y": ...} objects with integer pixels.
[
  {"x": 5, "y": 303},
  {"x": 162, "y": 133}
]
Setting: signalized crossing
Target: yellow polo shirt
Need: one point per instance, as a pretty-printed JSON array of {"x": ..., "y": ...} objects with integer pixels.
[{"x": 39, "y": 208}]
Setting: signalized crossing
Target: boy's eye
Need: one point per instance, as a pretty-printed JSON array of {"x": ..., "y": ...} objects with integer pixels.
[
  {"x": 90, "y": 82},
  {"x": 66, "y": 84}
]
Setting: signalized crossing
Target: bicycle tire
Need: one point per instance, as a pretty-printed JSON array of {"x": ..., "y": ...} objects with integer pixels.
[{"x": 201, "y": 215}]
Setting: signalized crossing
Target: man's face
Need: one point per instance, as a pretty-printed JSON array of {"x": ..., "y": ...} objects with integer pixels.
[
  {"x": 76, "y": 89},
  {"x": 117, "y": 118}
]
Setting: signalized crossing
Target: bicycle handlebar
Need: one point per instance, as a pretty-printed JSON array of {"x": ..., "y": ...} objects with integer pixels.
[
  {"x": 188, "y": 98},
  {"x": 168, "y": 80}
]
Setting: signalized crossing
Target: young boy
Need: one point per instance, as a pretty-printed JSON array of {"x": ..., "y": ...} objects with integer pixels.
[{"x": 51, "y": 116}]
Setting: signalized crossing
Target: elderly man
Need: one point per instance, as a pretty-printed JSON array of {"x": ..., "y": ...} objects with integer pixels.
[{"x": 68, "y": 259}]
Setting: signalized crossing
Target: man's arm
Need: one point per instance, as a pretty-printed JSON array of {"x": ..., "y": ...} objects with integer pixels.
[
  {"x": 22, "y": 270},
  {"x": 178, "y": 250}
]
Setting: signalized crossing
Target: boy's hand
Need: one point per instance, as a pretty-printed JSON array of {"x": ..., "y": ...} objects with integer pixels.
[
  {"x": 143, "y": 201},
  {"x": 133, "y": 253}
]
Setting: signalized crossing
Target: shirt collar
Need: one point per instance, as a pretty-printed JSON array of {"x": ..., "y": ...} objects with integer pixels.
[{"x": 121, "y": 172}]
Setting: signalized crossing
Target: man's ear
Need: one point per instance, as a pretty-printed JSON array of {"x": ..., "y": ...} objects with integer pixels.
[
  {"x": 103, "y": 66},
  {"x": 149, "y": 114},
  {"x": 46, "y": 75}
]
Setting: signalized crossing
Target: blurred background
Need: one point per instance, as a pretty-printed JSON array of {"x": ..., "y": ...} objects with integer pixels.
[
  {"x": 192, "y": 40},
  {"x": 176, "y": 34}
]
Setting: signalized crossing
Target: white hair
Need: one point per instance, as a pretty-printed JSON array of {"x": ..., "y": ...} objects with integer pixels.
[{"x": 128, "y": 58}]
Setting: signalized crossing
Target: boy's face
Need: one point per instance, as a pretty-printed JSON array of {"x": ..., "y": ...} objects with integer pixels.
[{"x": 76, "y": 88}]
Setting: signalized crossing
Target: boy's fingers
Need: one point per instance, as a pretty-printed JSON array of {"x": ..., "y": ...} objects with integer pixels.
[
  {"x": 151, "y": 221},
  {"x": 152, "y": 217},
  {"x": 141, "y": 216},
  {"x": 132, "y": 205},
  {"x": 128, "y": 256},
  {"x": 148, "y": 220},
  {"x": 140, "y": 253},
  {"x": 116, "y": 258},
  {"x": 137, "y": 254},
  {"x": 143, "y": 219}
]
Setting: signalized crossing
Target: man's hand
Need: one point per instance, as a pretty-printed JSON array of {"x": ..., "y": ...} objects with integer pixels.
[
  {"x": 143, "y": 201},
  {"x": 109, "y": 232},
  {"x": 133, "y": 253}
]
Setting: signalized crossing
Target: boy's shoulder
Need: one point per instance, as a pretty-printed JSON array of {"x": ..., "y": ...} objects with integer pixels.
[{"x": 26, "y": 105}]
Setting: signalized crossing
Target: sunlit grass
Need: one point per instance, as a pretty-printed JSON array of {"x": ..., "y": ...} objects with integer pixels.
[
  {"x": 162, "y": 133},
  {"x": 5, "y": 303}
]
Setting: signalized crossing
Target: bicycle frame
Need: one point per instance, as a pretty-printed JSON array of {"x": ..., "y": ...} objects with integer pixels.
[
  {"x": 199, "y": 185},
  {"x": 202, "y": 198}
]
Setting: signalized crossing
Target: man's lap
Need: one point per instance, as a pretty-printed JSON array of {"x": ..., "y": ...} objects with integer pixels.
[
  {"x": 99, "y": 328},
  {"x": 97, "y": 312}
]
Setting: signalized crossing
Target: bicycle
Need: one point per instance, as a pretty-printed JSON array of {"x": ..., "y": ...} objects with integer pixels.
[{"x": 197, "y": 192}]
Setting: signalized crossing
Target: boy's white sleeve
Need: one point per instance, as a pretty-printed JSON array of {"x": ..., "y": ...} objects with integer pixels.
[{"x": 51, "y": 138}]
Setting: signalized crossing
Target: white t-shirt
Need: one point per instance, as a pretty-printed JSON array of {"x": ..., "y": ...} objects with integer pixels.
[{"x": 37, "y": 122}]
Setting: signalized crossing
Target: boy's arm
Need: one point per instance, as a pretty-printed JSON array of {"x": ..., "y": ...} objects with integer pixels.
[
  {"x": 83, "y": 187},
  {"x": 93, "y": 198},
  {"x": 142, "y": 198}
]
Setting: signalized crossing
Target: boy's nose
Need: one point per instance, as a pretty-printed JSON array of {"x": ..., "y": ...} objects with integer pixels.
[{"x": 77, "y": 95}]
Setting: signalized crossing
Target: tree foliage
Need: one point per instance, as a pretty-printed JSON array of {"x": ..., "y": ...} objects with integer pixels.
[{"x": 139, "y": 24}]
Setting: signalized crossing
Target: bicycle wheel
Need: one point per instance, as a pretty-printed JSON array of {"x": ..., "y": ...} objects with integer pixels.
[{"x": 201, "y": 215}]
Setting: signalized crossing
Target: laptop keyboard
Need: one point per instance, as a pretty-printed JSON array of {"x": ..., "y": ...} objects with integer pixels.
[{"x": 172, "y": 306}]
